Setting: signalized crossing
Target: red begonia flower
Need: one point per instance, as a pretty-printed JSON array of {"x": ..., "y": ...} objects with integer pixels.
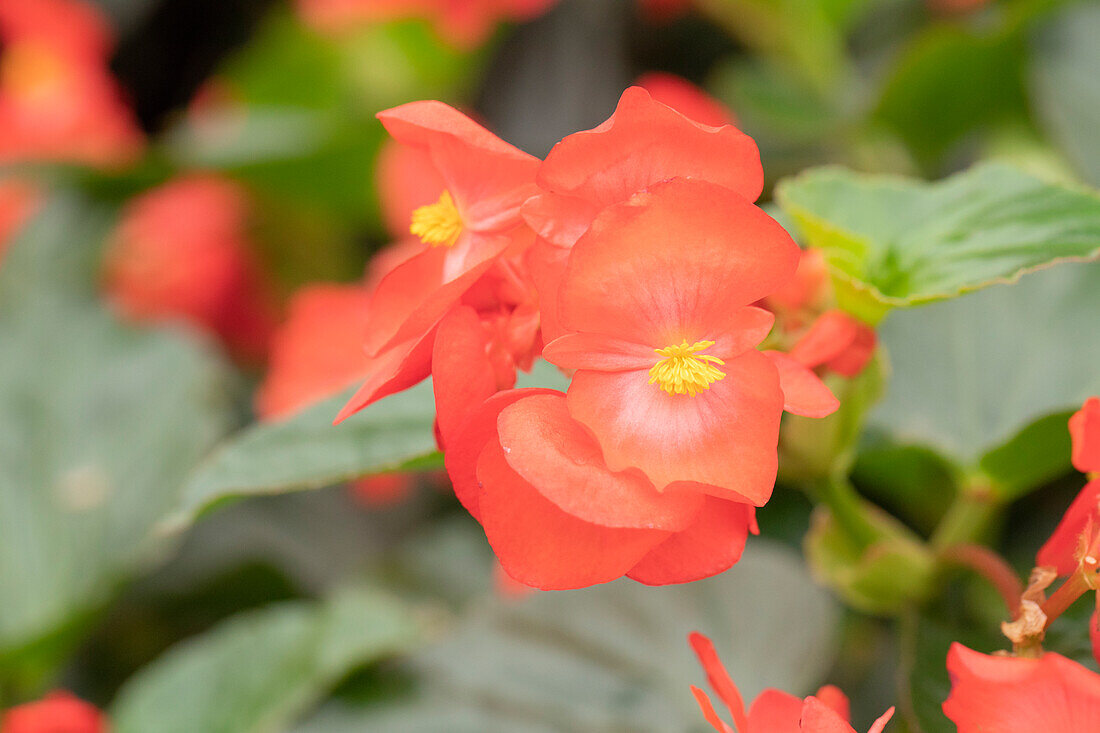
[
  {"x": 686, "y": 98},
  {"x": 655, "y": 300},
  {"x": 806, "y": 293},
  {"x": 773, "y": 711},
  {"x": 1084, "y": 428},
  {"x": 558, "y": 517},
  {"x": 464, "y": 23},
  {"x": 1063, "y": 551},
  {"x": 57, "y": 712},
  {"x": 644, "y": 142},
  {"x": 58, "y": 101},
  {"x": 181, "y": 251},
  {"x": 1015, "y": 695},
  {"x": 18, "y": 202},
  {"x": 473, "y": 224}
]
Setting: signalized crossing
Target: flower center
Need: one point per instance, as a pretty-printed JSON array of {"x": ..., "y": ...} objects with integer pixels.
[
  {"x": 32, "y": 71},
  {"x": 437, "y": 224},
  {"x": 683, "y": 370}
]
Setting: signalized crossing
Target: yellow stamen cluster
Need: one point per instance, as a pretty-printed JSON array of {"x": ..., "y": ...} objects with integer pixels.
[
  {"x": 683, "y": 370},
  {"x": 437, "y": 224}
]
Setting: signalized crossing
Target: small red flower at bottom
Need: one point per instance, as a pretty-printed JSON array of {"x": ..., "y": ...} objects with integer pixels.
[
  {"x": 1013, "y": 695},
  {"x": 58, "y": 712},
  {"x": 773, "y": 711}
]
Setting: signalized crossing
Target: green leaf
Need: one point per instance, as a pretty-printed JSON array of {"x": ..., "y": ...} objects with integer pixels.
[
  {"x": 1065, "y": 85},
  {"x": 99, "y": 426},
  {"x": 614, "y": 657},
  {"x": 1033, "y": 457},
  {"x": 258, "y": 670},
  {"x": 951, "y": 81},
  {"x": 971, "y": 373},
  {"x": 307, "y": 451},
  {"x": 913, "y": 482},
  {"x": 895, "y": 242}
]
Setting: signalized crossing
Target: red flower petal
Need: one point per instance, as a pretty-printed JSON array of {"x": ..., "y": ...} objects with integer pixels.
[
  {"x": 775, "y": 711},
  {"x": 817, "y": 717},
  {"x": 710, "y": 545},
  {"x": 406, "y": 180},
  {"x": 835, "y": 698},
  {"x": 559, "y": 219},
  {"x": 57, "y": 711},
  {"x": 540, "y": 545},
  {"x": 398, "y": 367},
  {"x": 556, "y": 455},
  {"x": 645, "y": 142},
  {"x": 1013, "y": 695},
  {"x": 708, "y": 712},
  {"x": 479, "y": 429},
  {"x": 686, "y": 98},
  {"x": 719, "y": 680},
  {"x": 725, "y": 436},
  {"x": 803, "y": 391},
  {"x": 318, "y": 350},
  {"x": 831, "y": 334},
  {"x": 599, "y": 352},
  {"x": 1084, "y": 426},
  {"x": 675, "y": 263},
  {"x": 488, "y": 178},
  {"x": 1060, "y": 550},
  {"x": 462, "y": 375}
]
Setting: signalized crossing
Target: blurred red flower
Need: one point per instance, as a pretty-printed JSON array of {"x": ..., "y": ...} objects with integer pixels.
[
  {"x": 58, "y": 101},
  {"x": 57, "y": 712},
  {"x": 472, "y": 228},
  {"x": 773, "y": 711},
  {"x": 1015, "y": 695},
  {"x": 182, "y": 252},
  {"x": 463, "y": 23}
]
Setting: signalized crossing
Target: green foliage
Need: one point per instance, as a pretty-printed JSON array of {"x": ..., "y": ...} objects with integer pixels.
[
  {"x": 971, "y": 373},
  {"x": 306, "y": 451},
  {"x": 894, "y": 242},
  {"x": 612, "y": 657},
  {"x": 101, "y": 424},
  {"x": 257, "y": 671},
  {"x": 1065, "y": 85}
]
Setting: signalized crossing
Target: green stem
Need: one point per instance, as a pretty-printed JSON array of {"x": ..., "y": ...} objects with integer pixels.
[
  {"x": 848, "y": 509},
  {"x": 967, "y": 519}
]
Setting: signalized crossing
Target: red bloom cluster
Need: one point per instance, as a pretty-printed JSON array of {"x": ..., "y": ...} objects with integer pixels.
[
  {"x": 773, "y": 711},
  {"x": 182, "y": 252},
  {"x": 464, "y": 23},
  {"x": 58, "y": 101},
  {"x": 1013, "y": 695},
  {"x": 643, "y": 278},
  {"x": 58, "y": 712}
]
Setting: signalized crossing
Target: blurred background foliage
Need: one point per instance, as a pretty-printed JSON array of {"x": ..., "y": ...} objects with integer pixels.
[{"x": 159, "y": 552}]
